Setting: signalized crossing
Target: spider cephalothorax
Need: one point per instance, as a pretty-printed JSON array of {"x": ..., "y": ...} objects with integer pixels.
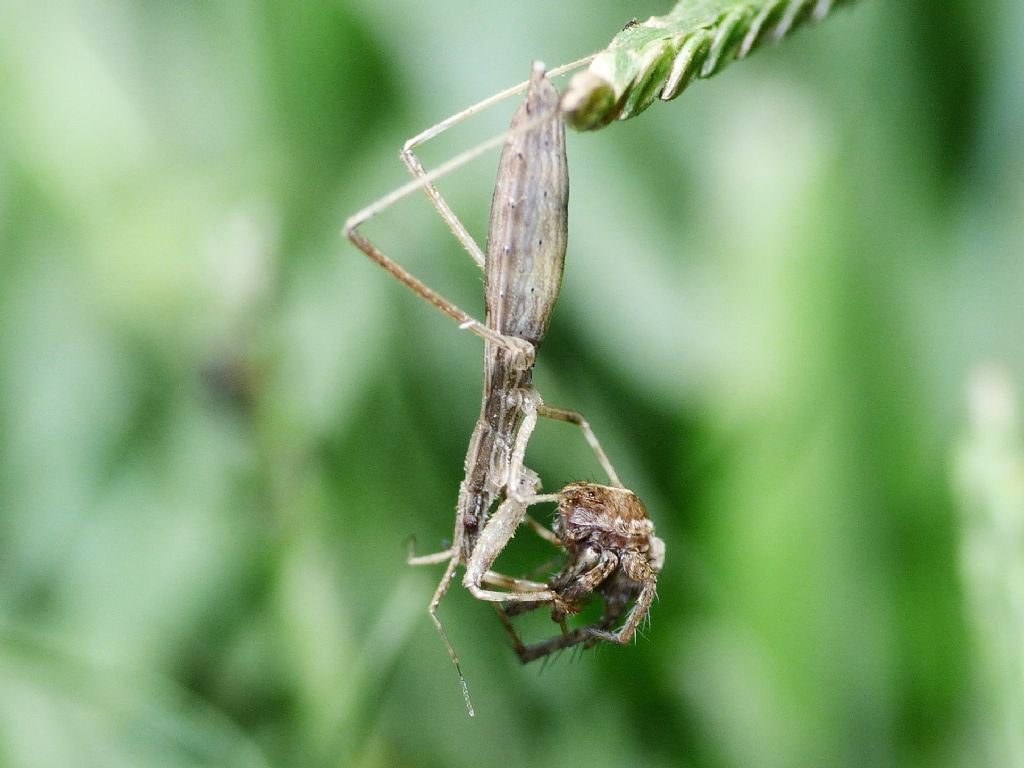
[{"x": 611, "y": 551}]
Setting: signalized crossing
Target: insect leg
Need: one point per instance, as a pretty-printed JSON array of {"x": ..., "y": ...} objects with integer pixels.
[
  {"x": 522, "y": 349},
  {"x": 559, "y": 414},
  {"x": 433, "y": 559},
  {"x": 412, "y": 162},
  {"x": 511, "y": 582},
  {"x": 518, "y": 484},
  {"x": 490, "y": 543},
  {"x": 439, "y": 593},
  {"x": 501, "y": 527},
  {"x": 543, "y": 531}
]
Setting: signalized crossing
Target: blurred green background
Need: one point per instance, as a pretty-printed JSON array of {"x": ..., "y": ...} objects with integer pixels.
[{"x": 220, "y": 423}]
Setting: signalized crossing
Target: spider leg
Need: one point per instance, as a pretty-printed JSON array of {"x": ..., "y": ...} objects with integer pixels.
[
  {"x": 510, "y": 630},
  {"x": 540, "y": 650},
  {"x": 566, "y": 599},
  {"x": 640, "y": 610},
  {"x": 589, "y": 581}
]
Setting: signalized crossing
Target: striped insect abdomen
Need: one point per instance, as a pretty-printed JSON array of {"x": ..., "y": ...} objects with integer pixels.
[{"x": 529, "y": 218}]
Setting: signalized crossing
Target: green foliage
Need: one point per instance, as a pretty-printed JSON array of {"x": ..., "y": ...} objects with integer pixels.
[
  {"x": 220, "y": 424},
  {"x": 659, "y": 57}
]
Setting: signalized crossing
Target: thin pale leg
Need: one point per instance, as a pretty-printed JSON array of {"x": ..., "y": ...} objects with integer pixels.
[
  {"x": 543, "y": 531},
  {"x": 517, "y": 484},
  {"x": 559, "y": 414},
  {"x": 521, "y": 488},
  {"x": 522, "y": 349},
  {"x": 452, "y": 557},
  {"x": 511, "y": 582},
  {"x": 435, "y": 558},
  {"x": 492, "y": 540},
  {"x": 412, "y": 162},
  {"x": 523, "y": 352},
  {"x": 435, "y": 601}
]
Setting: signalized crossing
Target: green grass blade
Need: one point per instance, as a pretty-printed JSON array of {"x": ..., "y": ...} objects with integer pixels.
[{"x": 658, "y": 58}]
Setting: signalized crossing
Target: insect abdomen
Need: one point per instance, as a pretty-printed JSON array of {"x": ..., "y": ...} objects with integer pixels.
[{"x": 529, "y": 218}]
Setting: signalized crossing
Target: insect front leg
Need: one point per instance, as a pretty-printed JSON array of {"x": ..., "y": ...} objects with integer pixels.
[
  {"x": 521, "y": 491},
  {"x": 518, "y": 484},
  {"x": 433, "y": 559},
  {"x": 496, "y": 579},
  {"x": 521, "y": 488},
  {"x": 492, "y": 541},
  {"x": 544, "y": 532}
]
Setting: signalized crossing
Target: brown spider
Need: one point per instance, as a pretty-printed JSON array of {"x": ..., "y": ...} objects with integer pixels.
[{"x": 611, "y": 551}]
